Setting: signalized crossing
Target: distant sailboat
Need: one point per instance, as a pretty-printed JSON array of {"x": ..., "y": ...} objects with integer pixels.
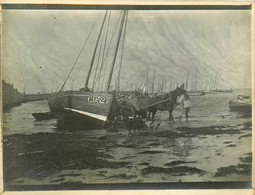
[
  {"x": 216, "y": 88},
  {"x": 195, "y": 92}
]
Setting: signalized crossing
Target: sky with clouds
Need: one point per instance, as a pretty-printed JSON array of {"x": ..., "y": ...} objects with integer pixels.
[{"x": 40, "y": 47}]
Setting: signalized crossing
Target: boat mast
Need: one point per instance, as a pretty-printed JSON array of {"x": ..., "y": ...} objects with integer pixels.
[
  {"x": 187, "y": 80},
  {"x": 196, "y": 81},
  {"x": 165, "y": 84},
  {"x": 122, "y": 51},
  {"x": 217, "y": 84},
  {"x": 146, "y": 82},
  {"x": 94, "y": 53},
  {"x": 95, "y": 74},
  {"x": 153, "y": 81},
  {"x": 104, "y": 54},
  {"x": 205, "y": 85},
  {"x": 108, "y": 84},
  {"x": 211, "y": 84},
  {"x": 171, "y": 84},
  {"x": 215, "y": 81}
]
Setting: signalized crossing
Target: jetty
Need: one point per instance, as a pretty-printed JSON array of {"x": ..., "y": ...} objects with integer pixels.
[
  {"x": 36, "y": 97},
  {"x": 12, "y": 97}
]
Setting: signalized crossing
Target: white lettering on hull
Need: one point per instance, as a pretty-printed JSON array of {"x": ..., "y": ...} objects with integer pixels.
[{"x": 97, "y": 116}]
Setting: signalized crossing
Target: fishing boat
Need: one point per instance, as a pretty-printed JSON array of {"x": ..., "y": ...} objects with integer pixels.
[
  {"x": 196, "y": 93},
  {"x": 216, "y": 86},
  {"x": 222, "y": 91},
  {"x": 242, "y": 104},
  {"x": 92, "y": 109},
  {"x": 207, "y": 91}
]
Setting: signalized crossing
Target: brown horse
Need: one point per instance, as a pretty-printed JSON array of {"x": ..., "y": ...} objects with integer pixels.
[{"x": 172, "y": 96}]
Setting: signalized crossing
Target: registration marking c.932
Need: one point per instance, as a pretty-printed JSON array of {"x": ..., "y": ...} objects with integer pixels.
[{"x": 99, "y": 100}]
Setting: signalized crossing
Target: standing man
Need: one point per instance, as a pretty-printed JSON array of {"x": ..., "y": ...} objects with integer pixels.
[{"x": 185, "y": 101}]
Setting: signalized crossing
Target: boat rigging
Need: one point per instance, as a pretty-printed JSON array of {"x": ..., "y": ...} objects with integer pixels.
[{"x": 94, "y": 109}]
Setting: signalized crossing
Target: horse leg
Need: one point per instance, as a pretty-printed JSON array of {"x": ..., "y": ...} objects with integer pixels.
[
  {"x": 169, "y": 115},
  {"x": 171, "y": 118},
  {"x": 134, "y": 115},
  {"x": 144, "y": 114},
  {"x": 138, "y": 131},
  {"x": 149, "y": 113},
  {"x": 134, "y": 131},
  {"x": 154, "y": 113}
]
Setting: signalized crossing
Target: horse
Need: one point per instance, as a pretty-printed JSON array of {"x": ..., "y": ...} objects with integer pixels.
[{"x": 169, "y": 105}]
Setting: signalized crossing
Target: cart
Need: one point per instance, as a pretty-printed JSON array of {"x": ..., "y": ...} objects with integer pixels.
[{"x": 138, "y": 105}]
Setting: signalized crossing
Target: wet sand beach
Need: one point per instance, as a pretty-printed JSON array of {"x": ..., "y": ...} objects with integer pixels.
[
  {"x": 208, "y": 148},
  {"x": 185, "y": 154}
]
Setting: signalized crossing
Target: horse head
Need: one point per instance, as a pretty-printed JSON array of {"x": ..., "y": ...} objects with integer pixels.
[{"x": 179, "y": 90}]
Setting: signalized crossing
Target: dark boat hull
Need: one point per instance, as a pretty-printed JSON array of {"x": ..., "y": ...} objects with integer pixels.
[
  {"x": 71, "y": 120},
  {"x": 89, "y": 109},
  {"x": 43, "y": 116},
  {"x": 240, "y": 107}
]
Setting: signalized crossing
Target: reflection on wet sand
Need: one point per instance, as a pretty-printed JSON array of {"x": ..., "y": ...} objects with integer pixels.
[
  {"x": 114, "y": 157},
  {"x": 212, "y": 146}
]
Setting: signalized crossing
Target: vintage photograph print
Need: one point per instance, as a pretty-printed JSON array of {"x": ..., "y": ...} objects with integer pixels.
[{"x": 120, "y": 96}]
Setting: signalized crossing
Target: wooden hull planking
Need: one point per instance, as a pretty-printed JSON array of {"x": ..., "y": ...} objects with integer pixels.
[{"x": 88, "y": 108}]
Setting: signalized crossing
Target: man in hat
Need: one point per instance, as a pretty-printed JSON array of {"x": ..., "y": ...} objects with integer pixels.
[{"x": 184, "y": 100}]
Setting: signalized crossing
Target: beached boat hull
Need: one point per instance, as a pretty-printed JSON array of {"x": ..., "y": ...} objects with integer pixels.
[
  {"x": 240, "y": 107},
  {"x": 43, "y": 116},
  {"x": 89, "y": 109}
]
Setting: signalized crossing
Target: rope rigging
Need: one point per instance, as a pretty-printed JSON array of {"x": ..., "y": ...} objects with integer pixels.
[
  {"x": 122, "y": 51},
  {"x": 108, "y": 83},
  {"x": 104, "y": 52},
  {"x": 108, "y": 51},
  {"x": 75, "y": 62},
  {"x": 94, "y": 53},
  {"x": 97, "y": 66}
]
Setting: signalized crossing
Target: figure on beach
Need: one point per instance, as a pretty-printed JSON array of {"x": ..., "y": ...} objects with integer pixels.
[{"x": 184, "y": 100}]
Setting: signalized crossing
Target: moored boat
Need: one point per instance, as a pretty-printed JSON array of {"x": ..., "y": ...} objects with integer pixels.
[
  {"x": 43, "y": 116},
  {"x": 196, "y": 93},
  {"x": 222, "y": 91},
  {"x": 88, "y": 108},
  {"x": 243, "y": 104},
  {"x": 207, "y": 91},
  {"x": 240, "y": 107}
]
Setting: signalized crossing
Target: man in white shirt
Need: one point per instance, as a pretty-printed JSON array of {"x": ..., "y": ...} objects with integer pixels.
[{"x": 186, "y": 104}]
